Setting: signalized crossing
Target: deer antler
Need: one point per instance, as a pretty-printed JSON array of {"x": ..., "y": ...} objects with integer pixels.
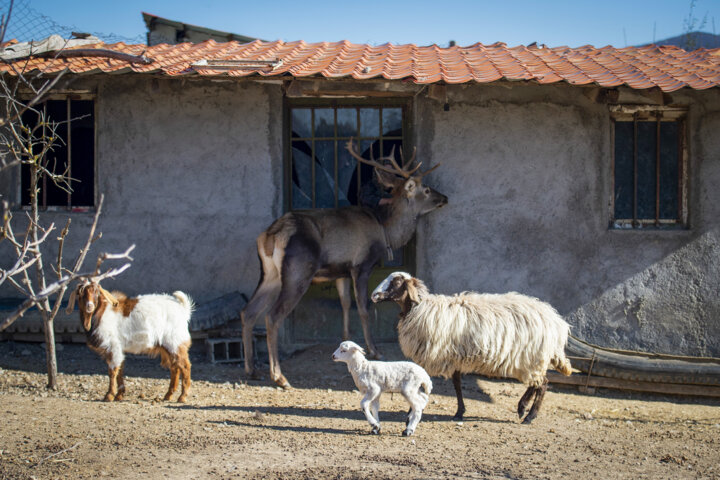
[{"x": 396, "y": 170}]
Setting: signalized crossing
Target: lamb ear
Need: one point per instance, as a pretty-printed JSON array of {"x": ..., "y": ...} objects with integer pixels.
[
  {"x": 412, "y": 291},
  {"x": 358, "y": 348},
  {"x": 71, "y": 300}
]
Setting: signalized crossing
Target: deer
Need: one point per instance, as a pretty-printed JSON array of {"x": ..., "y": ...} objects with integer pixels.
[{"x": 340, "y": 244}]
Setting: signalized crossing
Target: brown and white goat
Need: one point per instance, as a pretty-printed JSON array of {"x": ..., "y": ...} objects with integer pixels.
[{"x": 148, "y": 325}]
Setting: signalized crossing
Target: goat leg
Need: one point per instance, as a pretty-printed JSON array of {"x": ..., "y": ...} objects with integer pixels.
[
  {"x": 174, "y": 377},
  {"x": 121, "y": 383},
  {"x": 185, "y": 367},
  {"x": 457, "y": 383},
  {"x": 112, "y": 388}
]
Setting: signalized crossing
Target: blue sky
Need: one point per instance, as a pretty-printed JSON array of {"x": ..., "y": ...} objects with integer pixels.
[{"x": 518, "y": 22}]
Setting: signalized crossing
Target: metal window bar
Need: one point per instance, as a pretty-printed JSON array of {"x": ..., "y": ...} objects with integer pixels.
[
  {"x": 656, "y": 221},
  {"x": 337, "y": 139},
  {"x": 635, "y": 222}
]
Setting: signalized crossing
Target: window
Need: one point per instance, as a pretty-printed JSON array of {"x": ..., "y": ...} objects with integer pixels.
[
  {"x": 73, "y": 153},
  {"x": 321, "y": 173},
  {"x": 649, "y": 168}
]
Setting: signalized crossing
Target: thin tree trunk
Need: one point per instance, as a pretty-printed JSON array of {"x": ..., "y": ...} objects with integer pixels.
[{"x": 44, "y": 305}]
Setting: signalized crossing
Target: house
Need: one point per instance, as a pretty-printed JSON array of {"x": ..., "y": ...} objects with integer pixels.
[
  {"x": 584, "y": 176},
  {"x": 162, "y": 30}
]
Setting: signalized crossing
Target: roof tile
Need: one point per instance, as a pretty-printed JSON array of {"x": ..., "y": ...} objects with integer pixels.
[{"x": 666, "y": 67}]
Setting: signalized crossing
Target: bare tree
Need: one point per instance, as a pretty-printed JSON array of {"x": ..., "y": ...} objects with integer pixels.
[{"x": 27, "y": 143}]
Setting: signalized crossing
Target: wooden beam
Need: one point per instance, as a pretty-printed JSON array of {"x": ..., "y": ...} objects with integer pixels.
[{"x": 616, "y": 383}]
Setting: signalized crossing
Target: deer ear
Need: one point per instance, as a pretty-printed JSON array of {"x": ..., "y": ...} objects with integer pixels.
[
  {"x": 412, "y": 290},
  {"x": 387, "y": 180},
  {"x": 410, "y": 186}
]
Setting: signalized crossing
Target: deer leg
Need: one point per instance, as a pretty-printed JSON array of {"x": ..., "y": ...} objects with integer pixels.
[
  {"x": 297, "y": 276},
  {"x": 360, "y": 280},
  {"x": 523, "y": 403},
  {"x": 264, "y": 296},
  {"x": 539, "y": 396},
  {"x": 343, "y": 288},
  {"x": 262, "y": 299},
  {"x": 457, "y": 383}
]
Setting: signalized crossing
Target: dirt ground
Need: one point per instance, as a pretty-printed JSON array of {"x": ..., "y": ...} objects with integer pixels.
[{"x": 235, "y": 428}]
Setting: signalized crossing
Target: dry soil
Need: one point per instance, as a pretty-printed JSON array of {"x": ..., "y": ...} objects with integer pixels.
[{"x": 235, "y": 428}]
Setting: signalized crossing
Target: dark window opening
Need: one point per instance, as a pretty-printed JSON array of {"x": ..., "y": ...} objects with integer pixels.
[
  {"x": 73, "y": 155},
  {"x": 322, "y": 173},
  {"x": 648, "y": 171}
]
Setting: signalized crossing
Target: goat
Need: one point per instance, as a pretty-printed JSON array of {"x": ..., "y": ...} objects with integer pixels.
[
  {"x": 148, "y": 324},
  {"x": 373, "y": 378},
  {"x": 309, "y": 246},
  {"x": 509, "y": 335}
]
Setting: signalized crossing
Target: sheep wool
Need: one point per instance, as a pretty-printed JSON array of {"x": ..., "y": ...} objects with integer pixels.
[{"x": 513, "y": 336}]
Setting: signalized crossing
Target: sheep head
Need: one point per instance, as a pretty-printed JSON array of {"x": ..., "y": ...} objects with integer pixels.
[
  {"x": 398, "y": 287},
  {"x": 346, "y": 351}
]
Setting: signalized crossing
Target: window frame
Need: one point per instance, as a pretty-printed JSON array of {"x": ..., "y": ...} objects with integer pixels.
[
  {"x": 67, "y": 96},
  {"x": 658, "y": 115},
  {"x": 405, "y": 103},
  {"x": 290, "y": 103}
]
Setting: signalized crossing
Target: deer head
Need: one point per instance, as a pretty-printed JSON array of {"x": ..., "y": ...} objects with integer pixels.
[{"x": 405, "y": 181}]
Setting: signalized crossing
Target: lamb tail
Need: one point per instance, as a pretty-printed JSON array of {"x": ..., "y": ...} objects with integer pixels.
[{"x": 427, "y": 386}]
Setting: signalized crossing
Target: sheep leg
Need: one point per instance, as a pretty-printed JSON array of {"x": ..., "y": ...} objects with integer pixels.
[
  {"x": 539, "y": 396},
  {"x": 417, "y": 403},
  {"x": 375, "y": 408},
  {"x": 523, "y": 403},
  {"x": 121, "y": 383},
  {"x": 371, "y": 397},
  {"x": 360, "y": 281},
  {"x": 457, "y": 383},
  {"x": 184, "y": 366},
  {"x": 343, "y": 287},
  {"x": 112, "y": 388},
  {"x": 413, "y": 420}
]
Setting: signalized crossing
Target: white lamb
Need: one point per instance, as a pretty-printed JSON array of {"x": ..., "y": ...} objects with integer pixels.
[{"x": 373, "y": 378}]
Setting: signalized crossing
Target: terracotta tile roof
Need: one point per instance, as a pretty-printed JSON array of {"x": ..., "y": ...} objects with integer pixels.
[{"x": 666, "y": 67}]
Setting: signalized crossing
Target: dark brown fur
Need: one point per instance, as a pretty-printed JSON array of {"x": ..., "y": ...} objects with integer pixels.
[{"x": 303, "y": 247}]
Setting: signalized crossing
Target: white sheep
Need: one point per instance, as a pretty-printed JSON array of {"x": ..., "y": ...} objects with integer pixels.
[
  {"x": 373, "y": 378},
  {"x": 508, "y": 335},
  {"x": 148, "y": 324}
]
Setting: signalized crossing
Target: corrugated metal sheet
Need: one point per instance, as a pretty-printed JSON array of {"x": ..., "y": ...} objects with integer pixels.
[{"x": 668, "y": 68}]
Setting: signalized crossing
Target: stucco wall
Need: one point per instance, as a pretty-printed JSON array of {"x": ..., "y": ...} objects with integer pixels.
[
  {"x": 192, "y": 173},
  {"x": 528, "y": 173}
]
